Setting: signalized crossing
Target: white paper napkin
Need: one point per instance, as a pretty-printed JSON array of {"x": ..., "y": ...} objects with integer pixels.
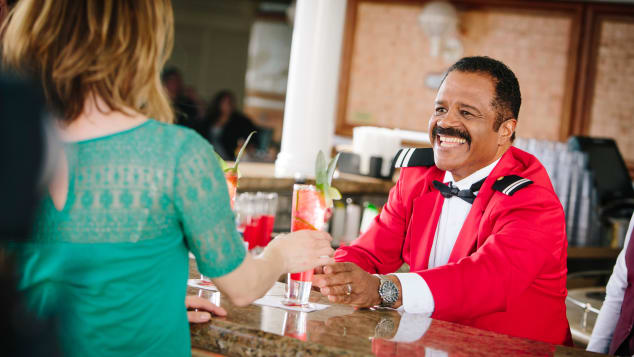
[
  {"x": 199, "y": 284},
  {"x": 276, "y": 301}
]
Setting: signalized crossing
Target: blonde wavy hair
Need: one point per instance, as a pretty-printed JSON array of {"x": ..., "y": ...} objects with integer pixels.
[{"x": 111, "y": 49}]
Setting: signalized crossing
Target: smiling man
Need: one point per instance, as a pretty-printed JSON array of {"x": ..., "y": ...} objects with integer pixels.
[{"x": 477, "y": 221}]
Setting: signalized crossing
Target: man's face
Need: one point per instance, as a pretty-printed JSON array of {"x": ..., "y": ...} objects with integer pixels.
[{"x": 461, "y": 127}]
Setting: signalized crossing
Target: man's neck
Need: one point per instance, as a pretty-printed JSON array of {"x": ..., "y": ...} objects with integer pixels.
[{"x": 460, "y": 174}]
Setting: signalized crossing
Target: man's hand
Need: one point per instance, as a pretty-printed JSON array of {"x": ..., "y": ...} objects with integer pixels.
[
  {"x": 346, "y": 283},
  {"x": 195, "y": 302}
]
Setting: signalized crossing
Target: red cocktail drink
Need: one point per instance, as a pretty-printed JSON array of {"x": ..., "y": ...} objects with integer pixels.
[
  {"x": 308, "y": 212},
  {"x": 232, "y": 184}
]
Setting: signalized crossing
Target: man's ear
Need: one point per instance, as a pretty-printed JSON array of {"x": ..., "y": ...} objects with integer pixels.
[{"x": 506, "y": 131}]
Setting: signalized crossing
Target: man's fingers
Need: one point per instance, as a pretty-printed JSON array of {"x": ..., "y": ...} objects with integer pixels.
[
  {"x": 336, "y": 290},
  {"x": 332, "y": 279},
  {"x": 338, "y": 268},
  {"x": 340, "y": 299},
  {"x": 319, "y": 269},
  {"x": 198, "y": 316}
]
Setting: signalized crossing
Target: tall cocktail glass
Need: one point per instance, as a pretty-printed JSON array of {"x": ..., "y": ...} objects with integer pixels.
[{"x": 308, "y": 212}]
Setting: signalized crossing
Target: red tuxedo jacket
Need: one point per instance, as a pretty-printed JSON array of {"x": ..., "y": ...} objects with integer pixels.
[{"x": 506, "y": 272}]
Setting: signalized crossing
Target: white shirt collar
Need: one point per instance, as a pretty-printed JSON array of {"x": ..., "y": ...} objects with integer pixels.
[{"x": 466, "y": 182}]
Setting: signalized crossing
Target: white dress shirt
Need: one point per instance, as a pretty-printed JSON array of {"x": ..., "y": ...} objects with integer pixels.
[
  {"x": 611, "y": 309},
  {"x": 417, "y": 297}
]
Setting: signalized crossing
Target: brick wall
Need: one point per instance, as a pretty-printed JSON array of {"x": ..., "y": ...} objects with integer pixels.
[{"x": 390, "y": 60}]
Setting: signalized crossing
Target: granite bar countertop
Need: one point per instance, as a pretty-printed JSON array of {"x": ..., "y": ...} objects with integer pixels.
[{"x": 343, "y": 331}]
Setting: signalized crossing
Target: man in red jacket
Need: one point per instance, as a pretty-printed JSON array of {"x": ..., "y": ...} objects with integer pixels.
[{"x": 477, "y": 221}]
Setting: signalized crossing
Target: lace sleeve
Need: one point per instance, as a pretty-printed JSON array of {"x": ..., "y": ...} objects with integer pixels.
[{"x": 202, "y": 203}]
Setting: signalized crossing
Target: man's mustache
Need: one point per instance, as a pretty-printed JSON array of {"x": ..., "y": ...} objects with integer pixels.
[{"x": 453, "y": 132}]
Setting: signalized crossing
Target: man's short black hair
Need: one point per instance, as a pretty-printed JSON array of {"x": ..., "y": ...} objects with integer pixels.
[{"x": 508, "y": 98}]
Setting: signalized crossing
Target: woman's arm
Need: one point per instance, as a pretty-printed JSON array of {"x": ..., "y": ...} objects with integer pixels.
[
  {"x": 201, "y": 201},
  {"x": 290, "y": 253},
  {"x": 611, "y": 309}
]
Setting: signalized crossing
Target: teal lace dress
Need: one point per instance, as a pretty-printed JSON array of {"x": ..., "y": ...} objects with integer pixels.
[{"x": 112, "y": 264}]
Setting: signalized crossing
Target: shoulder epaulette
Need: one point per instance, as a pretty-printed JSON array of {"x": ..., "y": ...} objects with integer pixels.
[
  {"x": 414, "y": 157},
  {"x": 510, "y": 184}
]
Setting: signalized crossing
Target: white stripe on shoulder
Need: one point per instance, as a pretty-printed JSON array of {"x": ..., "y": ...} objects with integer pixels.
[
  {"x": 513, "y": 186},
  {"x": 409, "y": 156},
  {"x": 399, "y": 161}
]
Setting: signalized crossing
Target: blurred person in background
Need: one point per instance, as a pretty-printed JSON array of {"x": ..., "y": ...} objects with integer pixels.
[
  {"x": 188, "y": 108},
  {"x": 25, "y": 169},
  {"x": 612, "y": 332},
  {"x": 225, "y": 127},
  {"x": 133, "y": 193}
]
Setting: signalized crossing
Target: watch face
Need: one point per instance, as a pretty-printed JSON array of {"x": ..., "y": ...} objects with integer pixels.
[{"x": 388, "y": 292}]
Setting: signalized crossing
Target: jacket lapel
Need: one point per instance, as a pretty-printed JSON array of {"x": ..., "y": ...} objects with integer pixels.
[
  {"x": 467, "y": 238},
  {"x": 425, "y": 215}
]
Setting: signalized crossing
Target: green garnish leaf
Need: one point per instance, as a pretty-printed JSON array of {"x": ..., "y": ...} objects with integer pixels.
[
  {"x": 323, "y": 178},
  {"x": 223, "y": 163},
  {"x": 239, "y": 157},
  {"x": 241, "y": 152},
  {"x": 331, "y": 169},
  {"x": 320, "y": 169}
]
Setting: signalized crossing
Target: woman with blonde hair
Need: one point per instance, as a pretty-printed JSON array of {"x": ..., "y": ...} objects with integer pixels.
[{"x": 134, "y": 194}]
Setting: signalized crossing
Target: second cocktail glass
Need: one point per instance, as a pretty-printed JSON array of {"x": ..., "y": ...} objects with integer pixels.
[{"x": 308, "y": 212}]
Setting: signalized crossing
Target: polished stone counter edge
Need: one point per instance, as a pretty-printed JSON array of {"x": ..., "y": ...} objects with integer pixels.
[{"x": 234, "y": 340}]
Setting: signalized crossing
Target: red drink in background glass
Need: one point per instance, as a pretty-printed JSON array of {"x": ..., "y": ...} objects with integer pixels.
[
  {"x": 258, "y": 232},
  {"x": 255, "y": 217},
  {"x": 265, "y": 227},
  {"x": 308, "y": 212},
  {"x": 251, "y": 232}
]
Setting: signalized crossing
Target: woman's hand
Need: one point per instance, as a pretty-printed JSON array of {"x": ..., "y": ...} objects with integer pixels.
[
  {"x": 289, "y": 253},
  {"x": 195, "y": 302},
  {"x": 302, "y": 250}
]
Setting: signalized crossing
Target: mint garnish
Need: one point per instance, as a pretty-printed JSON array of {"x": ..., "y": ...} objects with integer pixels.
[
  {"x": 323, "y": 178},
  {"x": 234, "y": 169}
]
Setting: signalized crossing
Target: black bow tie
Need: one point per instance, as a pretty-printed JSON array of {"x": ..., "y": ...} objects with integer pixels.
[{"x": 448, "y": 191}]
